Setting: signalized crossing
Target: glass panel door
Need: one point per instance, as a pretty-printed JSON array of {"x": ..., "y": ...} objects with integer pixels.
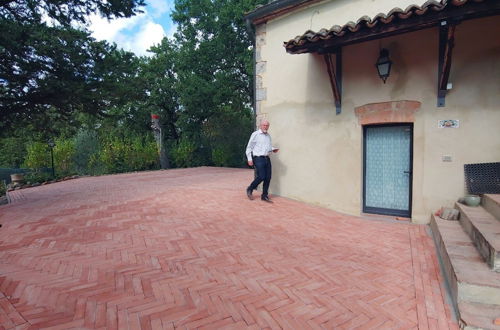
[{"x": 387, "y": 169}]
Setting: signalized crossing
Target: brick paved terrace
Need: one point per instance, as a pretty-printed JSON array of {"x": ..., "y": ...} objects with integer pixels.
[{"x": 186, "y": 249}]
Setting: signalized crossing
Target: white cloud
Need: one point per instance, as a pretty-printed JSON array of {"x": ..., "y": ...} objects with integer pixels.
[
  {"x": 159, "y": 7},
  {"x": 137, "y": 33},
  {"x": 150, "y": 34},
  {"x": 103, "y": 29}
]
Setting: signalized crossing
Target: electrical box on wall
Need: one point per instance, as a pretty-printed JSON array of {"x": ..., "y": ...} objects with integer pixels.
[{"x": 446, "y": 158}]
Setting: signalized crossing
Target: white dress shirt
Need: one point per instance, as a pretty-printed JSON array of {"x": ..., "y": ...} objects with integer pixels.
[{"x": 259, "y": 144}]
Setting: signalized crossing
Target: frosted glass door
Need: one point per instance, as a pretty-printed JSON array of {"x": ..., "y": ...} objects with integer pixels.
[{"x": 388, "y": 170}]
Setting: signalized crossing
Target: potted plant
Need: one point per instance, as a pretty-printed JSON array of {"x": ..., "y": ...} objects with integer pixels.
[{"x": 472, "y": 200}]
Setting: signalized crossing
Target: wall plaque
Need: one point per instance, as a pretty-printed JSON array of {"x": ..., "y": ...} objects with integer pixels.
[{"x": 448, "y": 123}]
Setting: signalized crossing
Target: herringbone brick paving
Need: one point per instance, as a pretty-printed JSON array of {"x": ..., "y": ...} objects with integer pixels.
[{"x": 186, "y": 249}]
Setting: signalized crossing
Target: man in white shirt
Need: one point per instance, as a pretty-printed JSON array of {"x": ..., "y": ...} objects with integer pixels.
[{"x": 258, "y": 149}]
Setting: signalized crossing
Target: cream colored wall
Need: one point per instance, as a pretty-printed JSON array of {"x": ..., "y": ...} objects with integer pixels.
[
  {"x": 320, "y": 160},
  {"x": 475, "y": 101}
]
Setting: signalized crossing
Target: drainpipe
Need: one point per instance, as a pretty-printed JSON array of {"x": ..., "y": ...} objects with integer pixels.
[{"x": 251, "y": 33}]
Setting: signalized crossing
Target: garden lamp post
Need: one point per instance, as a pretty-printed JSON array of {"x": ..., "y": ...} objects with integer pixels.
[{"x": 51, "y": 146}]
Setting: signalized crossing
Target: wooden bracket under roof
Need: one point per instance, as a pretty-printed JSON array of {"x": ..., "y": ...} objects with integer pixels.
[
  {"x": 446, "y": 43},
  {"x": 335, "y": 75}
]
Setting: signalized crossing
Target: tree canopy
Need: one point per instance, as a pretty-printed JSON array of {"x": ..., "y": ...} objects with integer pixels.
[
  {"x": 56, "y": 80},
  {"x": 65, "y": 12},
  {"x": 57, "y": 66}
]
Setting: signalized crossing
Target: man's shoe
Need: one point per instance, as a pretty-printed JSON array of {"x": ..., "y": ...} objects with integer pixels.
[
  {"x": 266, "y": 199},
  {"x": 249, "y": 194}
]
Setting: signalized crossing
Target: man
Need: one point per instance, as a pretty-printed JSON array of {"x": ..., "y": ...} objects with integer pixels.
[{"x": 259, "y": 146}]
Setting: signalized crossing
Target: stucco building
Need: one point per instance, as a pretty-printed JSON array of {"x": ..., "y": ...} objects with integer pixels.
[{"x": 350, "y": 141}]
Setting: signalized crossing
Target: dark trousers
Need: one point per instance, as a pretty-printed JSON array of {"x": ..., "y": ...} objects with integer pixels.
[{"x": 264, "y": 170}]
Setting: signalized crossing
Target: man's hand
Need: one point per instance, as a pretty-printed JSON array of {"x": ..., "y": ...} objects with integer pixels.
[
  {"x": 275, "y": 150},
  {"x": 250, "y": 163}
]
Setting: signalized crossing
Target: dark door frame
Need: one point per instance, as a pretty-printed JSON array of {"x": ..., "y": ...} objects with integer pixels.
[{"x": 384, "y": 211}]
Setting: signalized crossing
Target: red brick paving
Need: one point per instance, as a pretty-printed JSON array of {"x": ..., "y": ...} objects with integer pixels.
[{"x": 186, "y": 249}]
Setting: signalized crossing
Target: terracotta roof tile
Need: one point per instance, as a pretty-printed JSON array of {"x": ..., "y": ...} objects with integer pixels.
[{"x": 368, "y": 22}]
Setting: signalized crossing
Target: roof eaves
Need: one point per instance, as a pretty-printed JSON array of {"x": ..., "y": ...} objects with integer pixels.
[
  {"x": 275, "y": 8},
  {"x": 365, "y": 23}
]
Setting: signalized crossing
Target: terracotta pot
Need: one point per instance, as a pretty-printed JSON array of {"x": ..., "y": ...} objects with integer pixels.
[
  {"x": 472, "y": 200},
  {"x": 17, "y": 177}
]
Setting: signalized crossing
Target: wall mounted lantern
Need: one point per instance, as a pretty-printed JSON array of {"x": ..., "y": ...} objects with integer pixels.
[{"x": 383, "y": 65}]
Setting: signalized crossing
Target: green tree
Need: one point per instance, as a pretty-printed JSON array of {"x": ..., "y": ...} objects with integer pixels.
[
  {"x": 227, "y": 133},
  {"x": 12, "y": 152},
  {"x": 65, "y": 12},
  {"x": 55, "y": 79},
  {"x": 86, "y": 149},
  {"x": 154, "y": 85},
  {"x": 214, "y": 71},
  {"x": 58, "y": 68},
  {"x": 57, "y": 72},
  {"x": 160, "y": 79}
]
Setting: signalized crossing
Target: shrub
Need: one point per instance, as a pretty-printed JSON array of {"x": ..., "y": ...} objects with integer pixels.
[
  {"x": 183, "y": 153},
  {"x": 13, "y": 152},
  {"x": 3, "y": 188},
  {"x": 220, "y": 157},
  {"x": 228, "y": 134},
  {"x": 38, "y": 155},
  {"x": 111, "y": 155},
  {"x": 64, "y": 151},
  {"x": 86, "y": 156},
  {"x": 95, "y": 165},
  {"x": 142, "y": 155},
  {"x": 38, "y": 176},
  {"x": 129, "y": 154}
]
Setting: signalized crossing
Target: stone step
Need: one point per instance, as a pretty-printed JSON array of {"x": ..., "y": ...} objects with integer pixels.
[
  {"x": 474, "y": 316},
  {"x": 469, "y": 278},
  {"x": 484, "y": 230},
  {"x": 491, "y": 203}
]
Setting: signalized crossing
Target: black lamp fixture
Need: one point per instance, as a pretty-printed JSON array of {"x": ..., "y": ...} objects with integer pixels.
[{"x": 384, "y": 64}]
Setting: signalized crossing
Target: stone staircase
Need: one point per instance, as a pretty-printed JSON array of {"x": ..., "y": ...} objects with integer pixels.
[{"x": 470, "y": 253}]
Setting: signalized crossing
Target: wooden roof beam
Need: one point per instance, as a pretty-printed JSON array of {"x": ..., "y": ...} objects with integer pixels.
[
  {"x": 335, "y": 75},
  {"x": 446, "y": 43}
]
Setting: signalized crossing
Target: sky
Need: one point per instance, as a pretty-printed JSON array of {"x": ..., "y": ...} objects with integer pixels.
[{"x": 139, "y": 32}]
